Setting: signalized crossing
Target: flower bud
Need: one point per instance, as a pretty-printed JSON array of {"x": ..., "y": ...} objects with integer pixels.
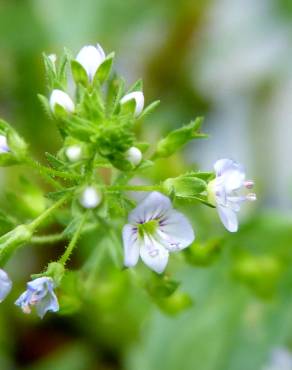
[
  {"x": 90, "y": 197},
  {"x": 134, "y": 156},
  {"x": 5, "y": 285},
  {"x": 4, "y": 148},
  {"x": 53, "y": 58},
  {"x": 139, "y": 101},
  {"x": 90, "y": 58},
  {"x": 59, "y": 97},
  {"x": 73, "y": 153}
]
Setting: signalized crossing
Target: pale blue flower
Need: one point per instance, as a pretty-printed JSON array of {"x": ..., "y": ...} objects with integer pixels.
[
  {"x": 39, "y": 293},
  {"x": 154, "y": 230},
  {"x": 226, "y": 191},
  {"x": 4, "y": 148},
  {"x": 5, "y": 285},
  {"x": 280, "y": 359}
]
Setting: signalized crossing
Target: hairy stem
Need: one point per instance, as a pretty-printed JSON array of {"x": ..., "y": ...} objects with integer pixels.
[
  {"x": 136, "y": 187},
  {"x": 73, "y": 242},
  {"x": 36, "y": 222}
]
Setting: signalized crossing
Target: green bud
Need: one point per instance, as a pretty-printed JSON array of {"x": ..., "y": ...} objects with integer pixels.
[
  {"x": 175, "y": 303},
  {"x": 178, "y": 138},
  {"x": 203, "y": 254},
  {"x": 10, "y": 241},
  {"x": 184, "y": 186},
  {"x": 13, "y": 149},
  {"x": 260, "y": 273},
  {"x": 161, "y": 286}
]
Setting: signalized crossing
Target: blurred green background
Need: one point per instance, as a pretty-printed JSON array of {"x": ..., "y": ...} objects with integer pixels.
[{"x": 228, "y": 60}]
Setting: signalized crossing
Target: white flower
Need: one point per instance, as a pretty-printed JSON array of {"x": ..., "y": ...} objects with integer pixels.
[
  {"x": 226, "y": 191},
  {"x": 73, "y": 153},
  {"x": 4, "y": 148},
  {"x": 63, "y": 99},
  {"x": 280, "y": 359},
  {"x": 5, "y": 285},
  {"x": 139, "y": 101},
  {"x": 134, "y": 155},
  {"x": 90, "y": 197},
  {"x": 39, "y": 293},
  {"x": 91, "y": 57},
  {"x": 154, "y": 230}
]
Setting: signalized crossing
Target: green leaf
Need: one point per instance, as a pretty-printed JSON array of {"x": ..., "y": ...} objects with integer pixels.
[
  {"x": 149, "y": 109},
  {"x": 137, "y": 86},
  {"x": 54, "y": 161},
  {"x": 45, "y": 105},
  {"x": 104, "y": 69},
  {"x": 79, "y": 73},
  {"x": 178, "y": 138}
]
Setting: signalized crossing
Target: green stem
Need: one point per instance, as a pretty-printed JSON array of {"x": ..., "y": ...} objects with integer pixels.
[
  {"x": 73, "y": 242},
  {"x": 48, "y": 239},
  {"x": 53, "y": 238},
  {"x": 36, "y": 222},
  {"x": 43, "y": 170},
  {"x": 136, "y": 187}
]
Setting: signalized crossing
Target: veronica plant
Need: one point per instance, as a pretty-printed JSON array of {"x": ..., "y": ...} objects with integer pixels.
[{"x": 91, "y": 176}]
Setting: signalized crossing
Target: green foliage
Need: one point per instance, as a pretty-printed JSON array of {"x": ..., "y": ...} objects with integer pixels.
[{"x": 178, "y": 138}]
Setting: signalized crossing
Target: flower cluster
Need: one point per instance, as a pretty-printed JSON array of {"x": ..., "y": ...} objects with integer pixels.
[{"x": 97, "y": 126}]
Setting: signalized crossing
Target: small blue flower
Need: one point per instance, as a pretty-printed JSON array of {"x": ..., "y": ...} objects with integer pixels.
[
  {"x": 39, "y": 293},
  {"x": 5, "y": 285}
]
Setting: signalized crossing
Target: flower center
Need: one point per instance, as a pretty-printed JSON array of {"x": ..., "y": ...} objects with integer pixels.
[{"x": 149, "y": 228}]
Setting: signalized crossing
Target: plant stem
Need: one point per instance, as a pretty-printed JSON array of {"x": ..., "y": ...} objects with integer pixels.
[
  {"x": 36, "y": 222},
  {"x": 73, "y": 242},
  {"x": 53, "y": 238},
  {"x": 136, "y": 187}
]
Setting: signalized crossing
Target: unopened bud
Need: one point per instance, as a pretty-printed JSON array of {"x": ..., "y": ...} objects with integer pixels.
[
  {"x": 4, "y": 148},
  {"x": 90, "y": 197},
  {"x": 139, "y": 100},
  {"x": 134, "y": 155},
  {"x": 73, "y": 153},
  {"x": 63, "y": 99}
]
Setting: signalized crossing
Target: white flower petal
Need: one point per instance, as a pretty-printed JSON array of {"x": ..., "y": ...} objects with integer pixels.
[
  {"x": 139, "y": 100},
  {"x": 153, "y": 206},
  {"x": 131, "y": 245},
  {"x": 61, "y": 98},
  {"x": 154, "y": 255},
  {"x": 228, "y": 218},
  {"x": 176, "y": 230},
  {"x": 223, "y": 165},
  {"x": 91, "y": 57}
]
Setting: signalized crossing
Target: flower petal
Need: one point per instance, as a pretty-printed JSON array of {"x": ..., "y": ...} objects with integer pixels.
[
  {"x": 228, "y": 218},
  {"x": 48, "y": 303},
  {"x": 131, "y": 245},
  {"x": 176, "y": 230},
  {"x": 223, "y": 165},
  {"x": 154, "y": 255},
  {"x": 91, "y": 57},
  {"x": 138, "y": 96},
  {"x": 5, "y": 285},
  {"x": 231, "y": 174},
  {"x": 153, "y": 206},
  {"x": 63, "y": 99}
]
